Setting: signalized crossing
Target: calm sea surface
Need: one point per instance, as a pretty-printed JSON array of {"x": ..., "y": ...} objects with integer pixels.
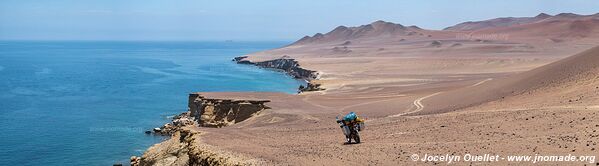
[{"x": 88, "y": 103}]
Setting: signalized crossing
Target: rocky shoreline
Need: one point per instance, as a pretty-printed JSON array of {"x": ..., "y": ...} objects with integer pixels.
[
  {"x": 289, "y": 66},
  {"x": 184, "y": 146}
]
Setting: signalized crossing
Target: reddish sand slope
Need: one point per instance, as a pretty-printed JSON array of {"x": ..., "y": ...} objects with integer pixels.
[{"x": 577, "y": 73}]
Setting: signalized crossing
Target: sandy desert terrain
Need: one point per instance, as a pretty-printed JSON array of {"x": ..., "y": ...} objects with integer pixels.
[{"x": 506, "y": 86}]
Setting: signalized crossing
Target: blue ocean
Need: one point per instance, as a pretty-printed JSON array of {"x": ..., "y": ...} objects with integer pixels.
[{"x": 89, "y": 102}]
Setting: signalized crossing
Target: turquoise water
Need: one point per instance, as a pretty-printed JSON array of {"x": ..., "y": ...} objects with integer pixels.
[{"x": 88, "y": 103}]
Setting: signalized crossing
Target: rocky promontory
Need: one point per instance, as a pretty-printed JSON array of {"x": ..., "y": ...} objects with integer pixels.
[
  {"x": 185, "y": 148},
  {"x": 288, "y": 65}
]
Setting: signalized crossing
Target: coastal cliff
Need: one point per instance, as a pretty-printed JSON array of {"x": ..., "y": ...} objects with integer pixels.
[
  {"x": 185, "y": 148},
  {"x": 209, "y": 112},
  {"x": 289, "y": 66}
]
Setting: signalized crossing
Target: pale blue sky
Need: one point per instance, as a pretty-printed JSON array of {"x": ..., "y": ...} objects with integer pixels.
[{"x": 245, "y": 19}]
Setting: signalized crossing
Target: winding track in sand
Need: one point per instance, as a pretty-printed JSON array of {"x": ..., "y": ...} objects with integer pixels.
[
  {"x": 418, "y": 102},
  {"x": 420, "y": 106}
]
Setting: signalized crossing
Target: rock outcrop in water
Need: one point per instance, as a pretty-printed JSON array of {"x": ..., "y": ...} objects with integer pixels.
[
  {"x": 210, "y": 112},
  {"x": 310, "y": 87},
  {"x": 179, "y": 121}
]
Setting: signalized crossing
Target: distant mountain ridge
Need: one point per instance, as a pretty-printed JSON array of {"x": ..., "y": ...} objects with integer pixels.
[
  {"x": 375, "y": 29},
  {"x": 563, "y": 25},
  {"x": 511, "y": 21}
]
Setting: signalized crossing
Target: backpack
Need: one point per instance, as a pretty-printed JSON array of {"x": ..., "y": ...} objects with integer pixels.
[{"x": 350, "y": 117}]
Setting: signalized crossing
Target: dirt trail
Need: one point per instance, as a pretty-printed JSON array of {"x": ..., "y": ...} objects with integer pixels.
[
  {"x": 481, "y": 82},
  {"x": 418, "y": 104}
]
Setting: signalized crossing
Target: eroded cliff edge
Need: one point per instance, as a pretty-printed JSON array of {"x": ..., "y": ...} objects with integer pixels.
[
  {"x": 185, "y": 146},
  {"x": 212, "y": 112},
  {"x": 289, "y": 66}
]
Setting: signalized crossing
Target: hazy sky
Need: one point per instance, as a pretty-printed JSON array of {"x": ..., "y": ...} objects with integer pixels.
[{"x": 246, "y": 19}]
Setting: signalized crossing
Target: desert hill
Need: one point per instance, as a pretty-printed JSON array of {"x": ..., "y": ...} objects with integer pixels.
[
  {"x": 378, "y": 29},
  {"x": 565, "y": 82},
  {"x": 512, "y": 21},
  {"x": 556, "y": 28},
  {"x": 497, "y": 22}
]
